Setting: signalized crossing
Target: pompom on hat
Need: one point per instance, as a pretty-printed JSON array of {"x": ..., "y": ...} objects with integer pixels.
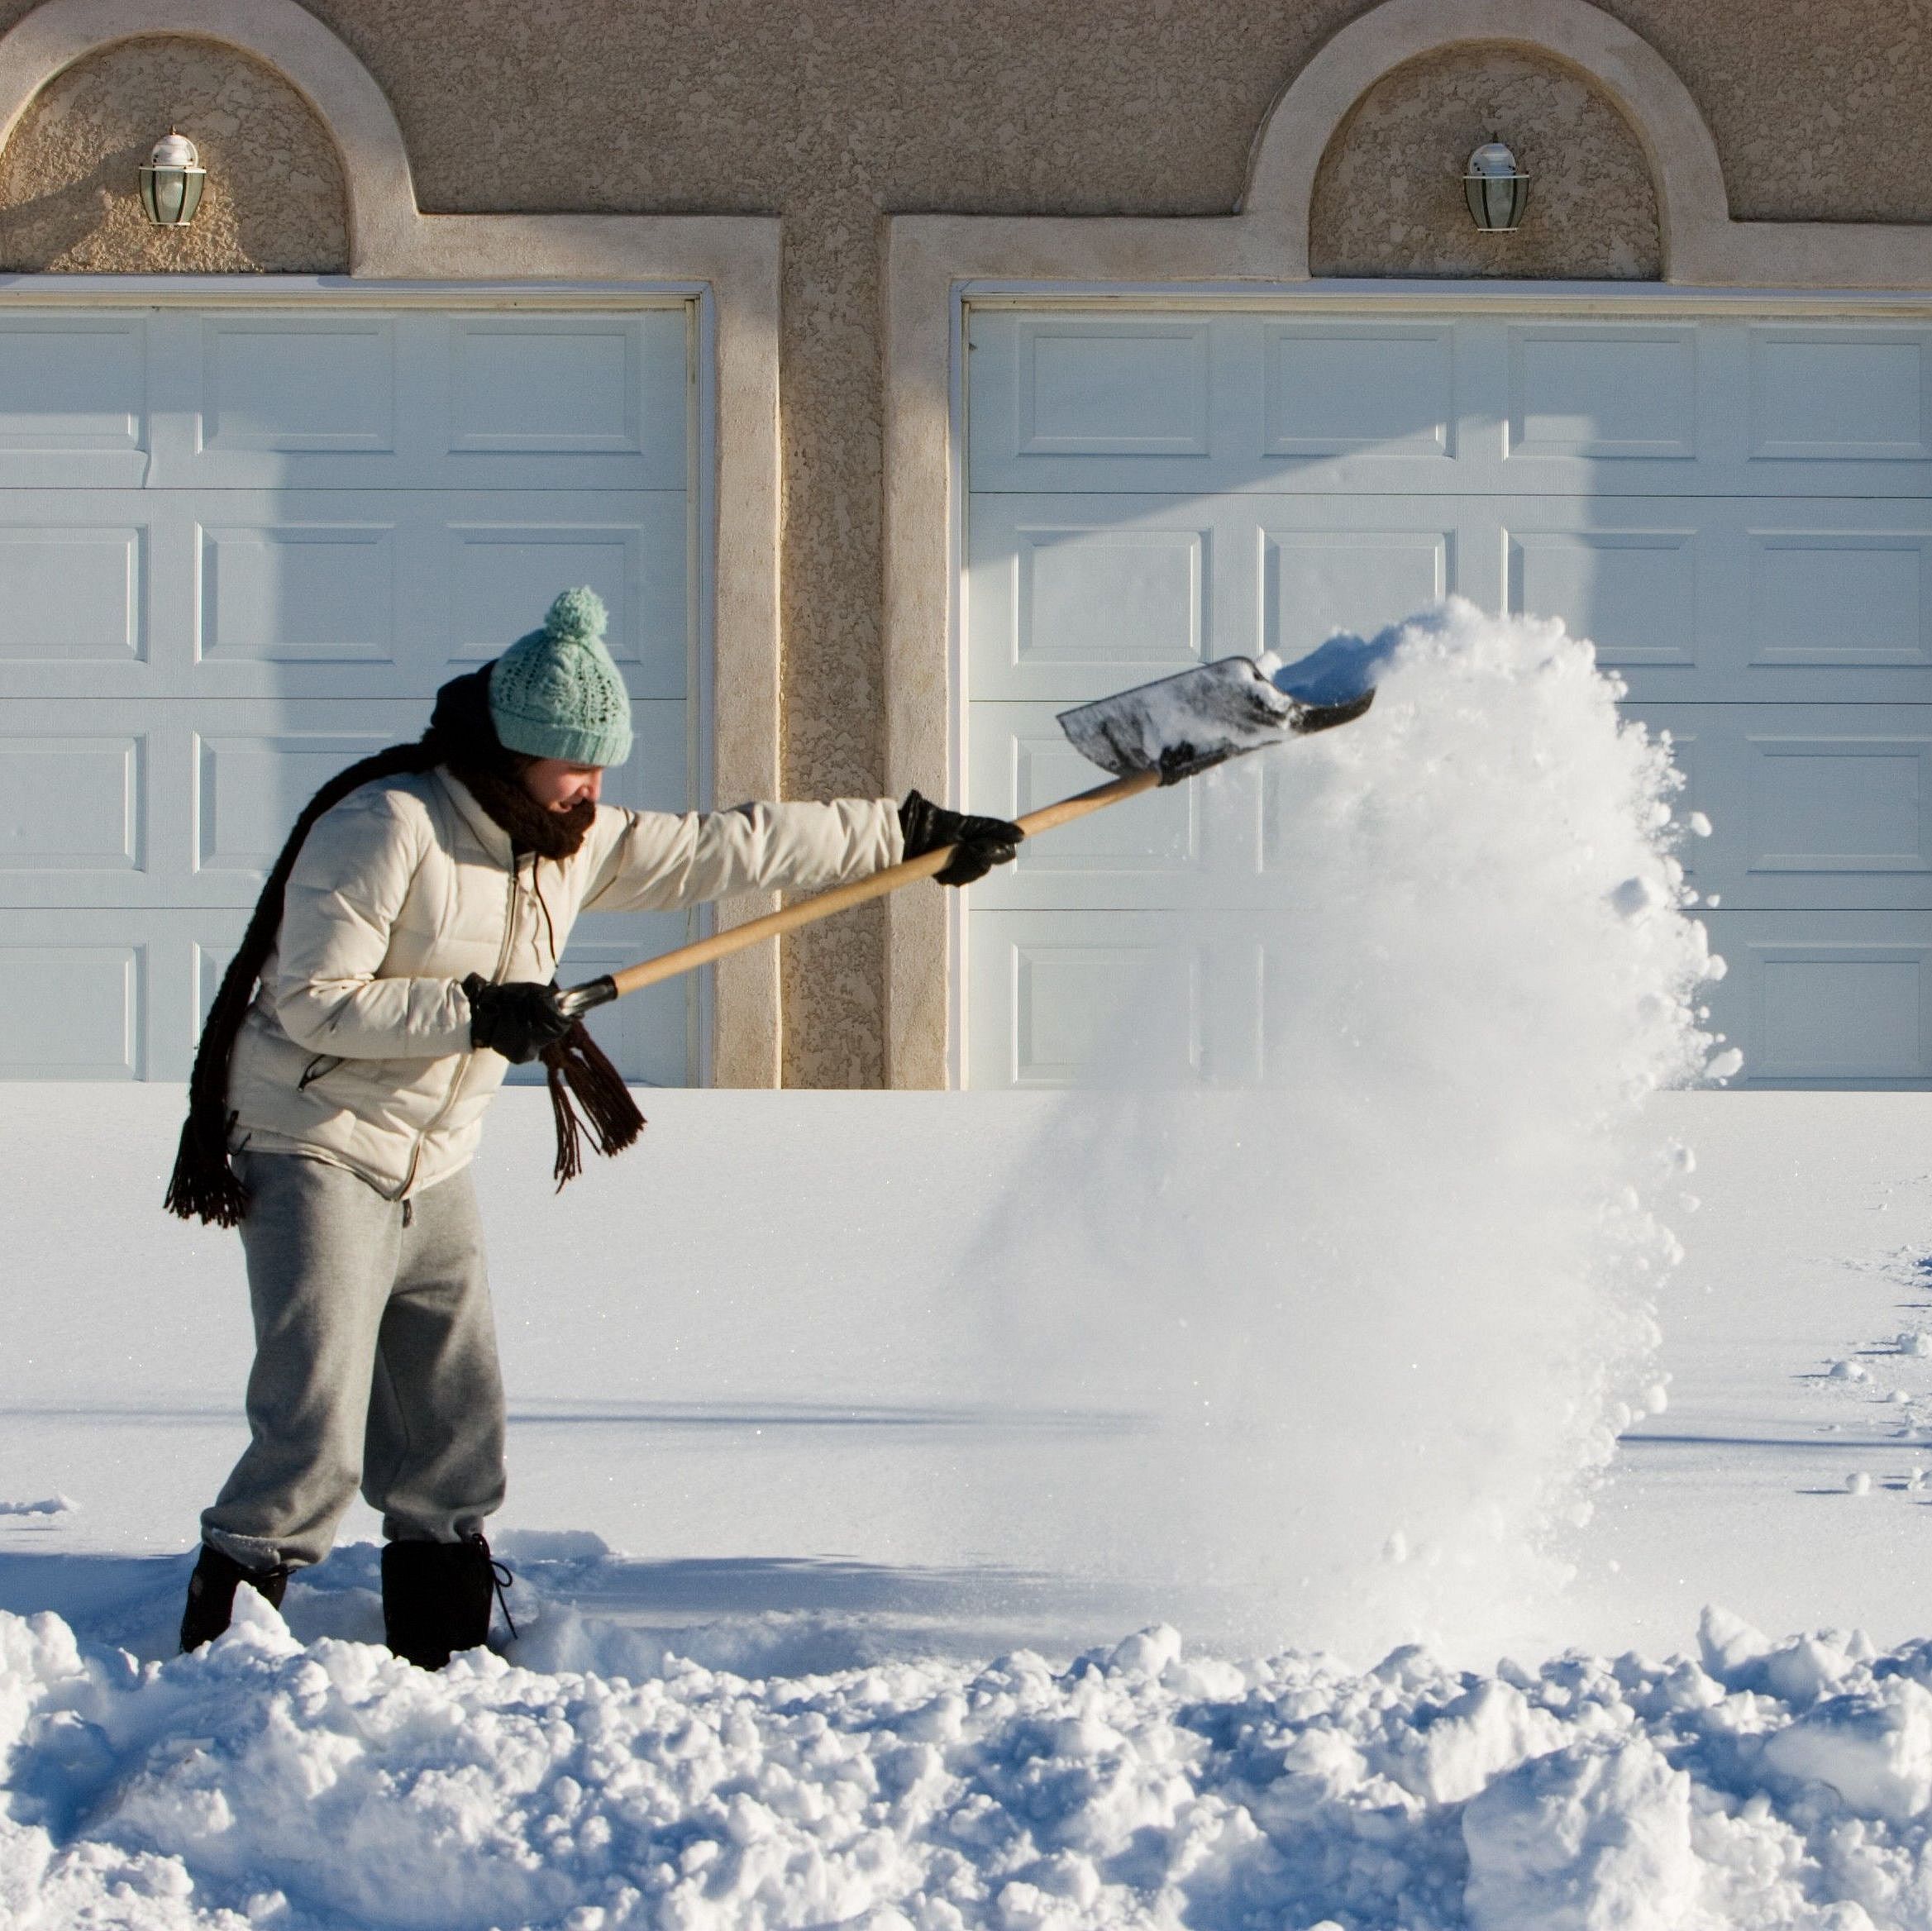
[{"x": 556, "y": 693}]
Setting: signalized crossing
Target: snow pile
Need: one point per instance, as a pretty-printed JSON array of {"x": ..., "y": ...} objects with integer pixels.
[
  {"x": 264, "y": 1783},
  {"x": 1390, "y": 1307}
]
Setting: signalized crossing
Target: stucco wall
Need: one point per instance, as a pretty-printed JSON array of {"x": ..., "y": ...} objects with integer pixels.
[
  {"x": 831, "y": 112},
  {"x": 273, "y": 200},
  {"x": 1821, "y": 112},
  {"x": 1389, "y": 199}
]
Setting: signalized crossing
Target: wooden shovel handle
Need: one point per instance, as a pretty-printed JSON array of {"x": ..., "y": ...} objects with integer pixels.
[{"x": 842, "y": 898}]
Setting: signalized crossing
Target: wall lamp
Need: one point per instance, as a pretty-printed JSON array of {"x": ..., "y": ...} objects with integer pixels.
[
  {"x": 172, "y": 181},
  {"x": 1496, "y": 190}
]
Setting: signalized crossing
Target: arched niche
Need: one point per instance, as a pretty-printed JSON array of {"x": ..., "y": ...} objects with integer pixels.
[
  {"x": 1618, "y": 65},
  {"x": 273, "y": 202},
  {"x": 275, "y": 35},
  {"x": 1388, "y": 197}
]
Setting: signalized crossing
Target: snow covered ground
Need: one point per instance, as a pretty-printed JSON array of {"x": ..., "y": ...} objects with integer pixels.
[{"x": 778, "y": 1446}]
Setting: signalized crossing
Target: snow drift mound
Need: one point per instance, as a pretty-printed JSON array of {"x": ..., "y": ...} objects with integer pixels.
[
  {"x": 335, "y": 1788},
  {"x": 1384, "y": 1303}
]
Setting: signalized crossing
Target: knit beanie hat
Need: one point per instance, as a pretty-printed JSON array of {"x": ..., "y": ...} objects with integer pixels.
[{"x": 556, "y": 693}]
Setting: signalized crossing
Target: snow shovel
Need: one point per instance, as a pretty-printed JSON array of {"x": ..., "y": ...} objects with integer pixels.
[{"x": 1156, "y": 734}]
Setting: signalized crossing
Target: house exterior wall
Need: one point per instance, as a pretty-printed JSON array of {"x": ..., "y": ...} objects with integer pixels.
[{"x": 832, "y": 113}]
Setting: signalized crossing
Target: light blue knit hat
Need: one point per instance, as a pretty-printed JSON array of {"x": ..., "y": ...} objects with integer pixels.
[{"x": 556, "y": 693}]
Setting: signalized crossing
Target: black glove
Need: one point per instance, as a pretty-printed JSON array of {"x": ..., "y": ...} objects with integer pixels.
[
  {"x": 983, "y": 842},
  {"x": 517, "y": 1020}
]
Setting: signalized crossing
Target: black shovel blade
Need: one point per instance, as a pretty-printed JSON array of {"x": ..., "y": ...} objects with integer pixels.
[{"x": 1186, "y": 724}]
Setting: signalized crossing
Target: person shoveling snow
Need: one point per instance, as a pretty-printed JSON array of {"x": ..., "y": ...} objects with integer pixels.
[
  {"x": 404, "y": 948},
  {"x": 398, "y": 962}
]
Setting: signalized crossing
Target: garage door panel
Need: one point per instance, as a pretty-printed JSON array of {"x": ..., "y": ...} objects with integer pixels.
[
  {"x": 70, "y": 1012},
  {"x": 1632, "y": 593},
  {"x": 1093, "y": 387},
  {"x": 1352, "y": 563},
  {"x": 1109, "y": 596},
  {"x": 1316, "y": 582},
  {"x": 1603, "y": 393},
  {"x": 1066, "y": 999},
  {"x": 637, "y": 565},
  {"x": 1835, "y": 804},
  {"x": 1020, "y": 760},
  {"x": 1055, "y": 992},
  {"x": 650, "y": 1034},
  {"x": 71, "y": 801},
  {"x": 94, "y": 805},
  {"x": 1071, "y": 595},
  {"x": 1805, "y": 602},
  {"x": 72, "y": 1003},
  {"x": 1157, "y": 405},
  {"x": 294, "y": 385},
  {"x": 1825, "y": 998},
  {"x": 1841, "y": 598},
  {"x": 1825, "y": 394},
  {"x": 293, "y": 593},
  {"x": 1819, "y": 806},
  {"x": 73, "y": 595},
  {"x": 173, "y": 802},
  {"x": 1833, "y": 1010},
  {"x": 251, "y": 786},
  {"x": 111, "y": 993},
  {"x": 1378, "y": 390},
  {"x": 74, "y": 407},
  {"x": 568, "y": 385}
]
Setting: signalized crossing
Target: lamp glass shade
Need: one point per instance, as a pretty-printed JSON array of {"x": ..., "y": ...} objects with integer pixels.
[
  {"x": 171, "y": 182},
  {"x": 1496, "y": 190}
]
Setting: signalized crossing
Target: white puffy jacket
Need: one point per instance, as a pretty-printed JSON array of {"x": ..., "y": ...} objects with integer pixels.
[{"x": 356, "y": 1050}]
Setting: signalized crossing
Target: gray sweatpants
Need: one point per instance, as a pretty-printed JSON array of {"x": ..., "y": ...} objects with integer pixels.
[{"x": 376, "y": 1364}]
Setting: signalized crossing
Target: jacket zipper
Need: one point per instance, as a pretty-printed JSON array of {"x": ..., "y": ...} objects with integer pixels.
[{"x": 464, "y": 1058}]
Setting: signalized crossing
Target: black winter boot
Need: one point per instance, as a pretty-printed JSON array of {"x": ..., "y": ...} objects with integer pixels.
[
  {"x": 436, "y": 1598},
  {"x": 211, "y": 1594}
]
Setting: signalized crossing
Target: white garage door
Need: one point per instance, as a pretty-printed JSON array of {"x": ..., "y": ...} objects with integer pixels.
[
  {"x": 241, "y": 549},
  {"x": 1736, "y": 511}
]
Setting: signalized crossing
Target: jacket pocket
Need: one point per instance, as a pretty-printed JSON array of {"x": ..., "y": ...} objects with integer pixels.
[{"x": 318, "y": 1068}]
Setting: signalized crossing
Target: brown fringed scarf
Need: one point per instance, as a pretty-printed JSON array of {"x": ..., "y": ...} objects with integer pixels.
[{"x": 460, "y": 736}]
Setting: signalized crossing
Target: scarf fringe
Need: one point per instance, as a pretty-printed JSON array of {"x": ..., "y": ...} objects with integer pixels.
[
  {"x": 203, "y": 1182},
  {"x": 587, "y": 1090}
]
